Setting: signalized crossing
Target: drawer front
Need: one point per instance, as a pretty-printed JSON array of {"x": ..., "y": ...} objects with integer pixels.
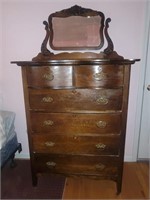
[
  {"x": 76, "y": 144},
  {"x": 53, "y": 76},
  {"x": 71, "y": 164},
  {"x": 75, "y": 123},
  {"x": 98, "y": 76},
  {"x": 78, "y": 100}
]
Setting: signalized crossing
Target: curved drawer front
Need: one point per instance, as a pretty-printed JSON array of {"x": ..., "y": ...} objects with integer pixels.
[
  {"x": 77, "y": 76},
  {"x": 71, "y": 164},
  {"x": 75, "y": 123},
  {"x": 76, "y": 144},
  {"x": 78, "y": 100},
  {"x": 53, "y": 76},
  {"x": 98, "y": 76}
]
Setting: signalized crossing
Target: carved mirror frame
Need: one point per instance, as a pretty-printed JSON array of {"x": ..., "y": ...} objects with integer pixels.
[
  {"x": 76, "y": 28},
  {"x": 80, "y": 20},
  {"x": 73, "y": 13}
]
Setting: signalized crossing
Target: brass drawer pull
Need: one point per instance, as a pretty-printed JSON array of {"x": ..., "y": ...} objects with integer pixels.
[
  {"x": 102, "y": 100},
  {"x": 75, "y": 137},
  {"x": 100, "y": 166},
  {"x": 51, "y": 164},
  {"x": 47, "y": 99},
  {"x": 48, "y": 123},
  {"x": 99, "y": 76},
  {"x": 48, "y": 76},
  {"x": 101, "y": 124},
  {"x": 100, "y": 146},
  {"x": 49, "y": 144}
]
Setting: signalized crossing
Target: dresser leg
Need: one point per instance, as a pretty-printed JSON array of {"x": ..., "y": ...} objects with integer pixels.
[
  {"x": 34, "y": 180},
  {"x": 119, "y": 186}
]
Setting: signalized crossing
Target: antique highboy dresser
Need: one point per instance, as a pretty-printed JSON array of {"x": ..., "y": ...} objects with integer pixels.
[{"x": 76, "y": 102}]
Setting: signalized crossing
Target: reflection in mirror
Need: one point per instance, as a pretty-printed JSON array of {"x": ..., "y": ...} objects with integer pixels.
[{"x": 76, "y": 32}]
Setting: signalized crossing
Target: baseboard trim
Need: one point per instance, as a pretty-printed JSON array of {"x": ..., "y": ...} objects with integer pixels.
[
  {"x": 128, "y": 159},
  {"x": 143, "y": 160},
  {"x": 22, "y": 156}
]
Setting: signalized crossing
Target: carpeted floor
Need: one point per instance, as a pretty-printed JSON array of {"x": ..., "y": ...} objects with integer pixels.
[{"x": 16, "y": 183}]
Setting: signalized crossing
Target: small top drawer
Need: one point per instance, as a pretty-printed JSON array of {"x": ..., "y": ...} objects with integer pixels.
[
  {"x": 49, "y": 76},
  {"x": 98, "y": 76}
]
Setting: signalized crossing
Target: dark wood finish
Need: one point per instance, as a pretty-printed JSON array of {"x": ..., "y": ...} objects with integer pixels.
[
  {"x": 50, "y": 76},
  {"x": 77, "y": 124},
  {"x": 61, "y": 100},
  {"x": 76, "y": 109},
  {"x": 76, "y": 27},
  {"x": 94, "y": 166},
  {"x": 76, "y": 144},
  {"x": 99, "y": 76}
]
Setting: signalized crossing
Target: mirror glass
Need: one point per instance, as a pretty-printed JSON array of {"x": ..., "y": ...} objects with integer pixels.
[{"x": 76, "y": 32}]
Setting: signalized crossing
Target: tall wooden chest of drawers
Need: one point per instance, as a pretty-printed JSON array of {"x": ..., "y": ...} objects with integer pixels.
[
  {"x": 76, "y": 112},
  {"x": 76, "y": 115}
]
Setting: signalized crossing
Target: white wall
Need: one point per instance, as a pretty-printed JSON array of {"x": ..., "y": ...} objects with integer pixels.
[
  {"x": 0, "y": 55},
  {"x": 23, "y": 33}
]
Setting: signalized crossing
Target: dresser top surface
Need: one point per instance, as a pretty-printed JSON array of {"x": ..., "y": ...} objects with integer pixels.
[{"x": 76, "y": 62}]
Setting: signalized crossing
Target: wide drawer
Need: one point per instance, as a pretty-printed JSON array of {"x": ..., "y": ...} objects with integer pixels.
[
  {"x": 52, "y": 76},
  {"x": 99, "y": 76},
  {"x": 76, "y": 144},
  {"x": 79, "y": 165},
  {"x": 78, "y": 100},
  {"x": 75, "y": 123}
]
